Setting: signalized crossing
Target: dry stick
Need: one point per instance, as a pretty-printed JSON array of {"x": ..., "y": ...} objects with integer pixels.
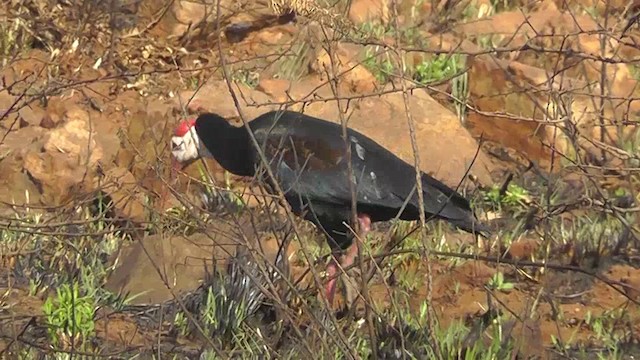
[
  {"x": 547, "y": 227},
  {"x": 265, "y": 163},
  {"x": 603, "y": 78},
  {"x": 333, "y": 81},
  {"x": 156, "y": 19},
  {"x": 418, "y": 178},
  {"x": 13, "y": 105}
]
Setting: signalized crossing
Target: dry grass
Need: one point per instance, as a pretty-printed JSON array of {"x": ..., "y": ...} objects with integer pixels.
[{"x": 411, "y": 301}]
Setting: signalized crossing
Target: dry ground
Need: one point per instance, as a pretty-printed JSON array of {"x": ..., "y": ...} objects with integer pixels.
[{"x": 528, "y": 106}]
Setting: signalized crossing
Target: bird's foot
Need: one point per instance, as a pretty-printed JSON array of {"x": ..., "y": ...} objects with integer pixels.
[
  {"x": 346, "y": 261},
  {"x": 365, "y": 224},
  {"x": 330, "y": 288}
]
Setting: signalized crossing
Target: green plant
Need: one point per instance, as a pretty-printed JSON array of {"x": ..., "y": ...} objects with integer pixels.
[
  {"x": 223, "y": 304},
  {"x": 514, "y": 196},
  {"x": 180, "y": 322},
  {"x": 441, "y": 67},
  {"x": 246, "y": 77},
  {"x": 380, "y": 66},
  {"x": 293, "y": 64},
  {"x": 497, "y": 282},
  {"x": 69, "y": 316},
  {"x": 460, "y": 93},
  {"x": 477, "y": 11},
  {"x": 15, "y": 35}
]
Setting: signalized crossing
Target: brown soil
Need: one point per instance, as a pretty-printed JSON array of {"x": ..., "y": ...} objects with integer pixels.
[{"x": 72, "y": 128}]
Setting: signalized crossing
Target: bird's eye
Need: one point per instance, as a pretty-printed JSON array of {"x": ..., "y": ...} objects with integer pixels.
[{"x": 175, "y": 145}]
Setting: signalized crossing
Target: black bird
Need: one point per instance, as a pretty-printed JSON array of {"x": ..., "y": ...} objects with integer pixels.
[{"x": 308, "y": 157}]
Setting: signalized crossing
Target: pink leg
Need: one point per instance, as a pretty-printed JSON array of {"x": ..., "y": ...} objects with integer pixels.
[
  {"x": 330, "y": 288},
  {"x": 348, "y": 258}
]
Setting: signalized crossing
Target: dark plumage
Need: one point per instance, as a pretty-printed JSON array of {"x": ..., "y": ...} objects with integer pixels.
[{"x": 308, "y": 157}]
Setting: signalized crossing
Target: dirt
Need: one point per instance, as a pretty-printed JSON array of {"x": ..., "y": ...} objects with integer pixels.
[{"x": 72, "y": 129}]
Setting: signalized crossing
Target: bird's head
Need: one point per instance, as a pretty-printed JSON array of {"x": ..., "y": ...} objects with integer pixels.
[{"x": 185, "y": 144}]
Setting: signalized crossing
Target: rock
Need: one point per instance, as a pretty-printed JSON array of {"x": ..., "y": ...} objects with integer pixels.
[
  {"x": 549, "y": 19},
  {"x": 31, "y": 116},
  {"x": 614, "y": 6},
  {"x": 177, "y": 19},
  {"x": 151, "y": 266},
  {"x": 489, "y": 78},
  {"x": 67, "y": 159},
  {"x": 527, "y": 336},
  {"x": 75, "y": 139},
  {"x": 632, "y": 287},
  {"x": 6, "y": 101},
  {"x": 518, "y": 25},
  {"x": 369, "y": 11},
  {"x": 49, "y": 122},
  {"x": 275, "y": 88},
  {"x": 7, "y": 117},
  {"x": 127, "y": 196},
  {"x": 154, "y": 264},
  {"x": 523, "y": 249},
  {"x": 446, "y": 148},
  {"x": 54, "y": 113},
  {"x": 277, "y": 35},
  {"x": 353, "y": 76},
  {"x": 525, "y": 128},
  {"x": 224, "y": 105},
  {"x": 15, "y": 185},
  {"x": 184, "y": 17}
]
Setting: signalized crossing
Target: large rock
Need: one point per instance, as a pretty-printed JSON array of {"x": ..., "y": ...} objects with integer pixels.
[
  {"x": 514, "y": 100},
  {"x": 347, "y": 67},
  {"x": 184, "y": 17},
  {"x": 15, "y": 185},
  {"x": 446, "y": 148},
  {"x": 127, "y": 195},
  {"x": 177, "y": 18},
  {"x": 556, "y": 23},
  {"x": 150, "y": 269},
  {"x": 67, "y": 159},
  {"x": 369, "y": 11}
]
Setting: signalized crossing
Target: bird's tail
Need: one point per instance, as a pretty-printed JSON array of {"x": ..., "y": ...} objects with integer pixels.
[
  {"x": 445, "y": 203},
  {"x": 472, "y": 225}
]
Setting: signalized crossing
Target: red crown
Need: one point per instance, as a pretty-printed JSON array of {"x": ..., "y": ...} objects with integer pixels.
[{"x": 184, "y": 126}]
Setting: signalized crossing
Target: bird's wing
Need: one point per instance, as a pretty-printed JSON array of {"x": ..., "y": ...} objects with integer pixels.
[
  {"x": 317, "y": 168},
  {"x": 311, "y": 161}
]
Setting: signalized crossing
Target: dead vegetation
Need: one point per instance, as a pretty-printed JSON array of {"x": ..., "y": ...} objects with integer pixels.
[{"x": 529, "y": 107}]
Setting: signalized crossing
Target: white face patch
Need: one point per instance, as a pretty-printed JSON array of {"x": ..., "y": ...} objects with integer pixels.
[
  {"x": 373, "y": 175},
  {"x": 187, "y": 147}
]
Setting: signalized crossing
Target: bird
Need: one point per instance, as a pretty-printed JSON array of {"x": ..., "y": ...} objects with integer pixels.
[{"x": 309, "y": 160}]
